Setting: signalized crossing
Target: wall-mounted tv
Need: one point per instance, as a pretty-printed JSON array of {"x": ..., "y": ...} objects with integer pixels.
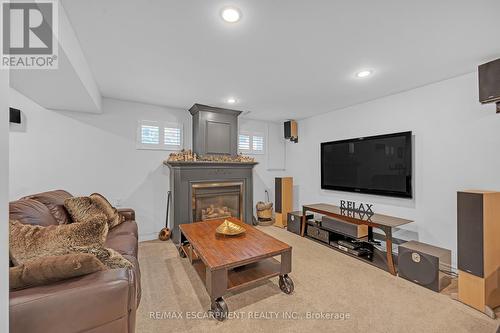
[{"x": 376, "y": 165}]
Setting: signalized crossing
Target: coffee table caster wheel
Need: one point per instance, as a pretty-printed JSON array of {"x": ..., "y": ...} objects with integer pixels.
[
  {"x": 286, "y": 284},
  {"x": 219, "y": 309},
  {"x": 181, "y": 252}
]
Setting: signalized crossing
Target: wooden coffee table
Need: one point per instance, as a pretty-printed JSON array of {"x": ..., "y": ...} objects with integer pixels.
[{"x": 229, "y": 263}]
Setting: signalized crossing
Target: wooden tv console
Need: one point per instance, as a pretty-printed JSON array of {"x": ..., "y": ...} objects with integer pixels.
[{"x": 382, "y": 222}]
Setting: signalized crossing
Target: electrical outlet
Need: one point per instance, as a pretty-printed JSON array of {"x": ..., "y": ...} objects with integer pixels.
[{"x": 118, "y": 203}]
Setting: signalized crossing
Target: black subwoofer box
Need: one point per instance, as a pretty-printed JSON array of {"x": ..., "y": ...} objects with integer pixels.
[
  {"x": 294, "y": 218},
  {"x": 424, "y": 264}
]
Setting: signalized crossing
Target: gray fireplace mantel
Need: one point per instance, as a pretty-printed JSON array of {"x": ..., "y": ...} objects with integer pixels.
[{"x": 184, "y": 174}]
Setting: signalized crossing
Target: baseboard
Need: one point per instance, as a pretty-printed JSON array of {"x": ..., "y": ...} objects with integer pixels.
[{"x": 148, "y": 236}]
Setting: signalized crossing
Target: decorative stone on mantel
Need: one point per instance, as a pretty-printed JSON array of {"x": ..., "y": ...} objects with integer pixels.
[{"x": 188, "y": 156}]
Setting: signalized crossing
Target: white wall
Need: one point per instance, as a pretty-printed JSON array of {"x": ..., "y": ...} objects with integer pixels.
[
  {"x": 4, "y": 179},
  {"x": 85, "y": 153},
  {"x": 265, "y": 172},
  {"x": 456, "y": 147}
]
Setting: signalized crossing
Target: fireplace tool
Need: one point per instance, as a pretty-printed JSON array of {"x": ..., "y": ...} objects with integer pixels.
[{"x": 166, "y": 232}]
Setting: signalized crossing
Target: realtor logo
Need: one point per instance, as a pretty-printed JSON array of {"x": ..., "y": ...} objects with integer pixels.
[{"x": 29, "y": 34}]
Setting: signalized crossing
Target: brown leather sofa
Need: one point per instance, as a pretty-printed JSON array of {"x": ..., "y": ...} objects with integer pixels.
[{"x": 104, "y": 301}]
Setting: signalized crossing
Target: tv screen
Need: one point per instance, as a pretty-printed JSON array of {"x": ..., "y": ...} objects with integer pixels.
[{"x": 376, "y": 165}]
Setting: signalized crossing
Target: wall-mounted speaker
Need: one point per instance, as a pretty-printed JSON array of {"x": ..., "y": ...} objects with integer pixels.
[
  {"x": 291, "y": 132},
  {"x": 424, "y": 264},
  {"x": 283, "y": 200},
  {"x": 478, "y": 219},
  {"x": 489, "y": 81},
  {"x": 15, "y": 116}
]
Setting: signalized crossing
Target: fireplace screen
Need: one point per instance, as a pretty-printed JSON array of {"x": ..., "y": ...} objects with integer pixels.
[{"x": 212, "y": 201}]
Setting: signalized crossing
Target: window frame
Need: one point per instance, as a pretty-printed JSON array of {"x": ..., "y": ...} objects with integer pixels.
[
  {"x": 251, "y": 150},
  {"x": 162, "y": 125}
]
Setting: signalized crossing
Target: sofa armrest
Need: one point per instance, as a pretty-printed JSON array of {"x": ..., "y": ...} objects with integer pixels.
[
  {"x": 103, "y": 301},
  {"x": 128, "y": 213}
]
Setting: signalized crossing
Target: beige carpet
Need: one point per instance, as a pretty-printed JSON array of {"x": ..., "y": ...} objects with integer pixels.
[{"x": 325, "y": 282}]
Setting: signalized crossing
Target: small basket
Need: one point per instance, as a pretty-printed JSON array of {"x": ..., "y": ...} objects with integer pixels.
[{"x": 264, "y": 210}]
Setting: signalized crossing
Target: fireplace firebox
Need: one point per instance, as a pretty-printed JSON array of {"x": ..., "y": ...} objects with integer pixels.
[{"x": 217, "y": 200}]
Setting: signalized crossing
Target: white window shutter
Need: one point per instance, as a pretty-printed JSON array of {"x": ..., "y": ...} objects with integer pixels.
[
  {"x": 244, "y": 142},
  {"x": 150, "y": 135},
  {"x": 159, "y": 135},
  {"x": 251, "y": 143},
  {"x": 258, "y": 143},
  {"x": 172, "y": 136}
]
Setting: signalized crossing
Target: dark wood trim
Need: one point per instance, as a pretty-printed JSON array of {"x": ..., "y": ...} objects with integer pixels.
[{"x": 388, "y": 248}]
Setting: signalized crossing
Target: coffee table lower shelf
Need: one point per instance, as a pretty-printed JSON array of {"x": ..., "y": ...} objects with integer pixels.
[
  {"x": 243, "y": 276},
  {"x": 220, "y": 281}
]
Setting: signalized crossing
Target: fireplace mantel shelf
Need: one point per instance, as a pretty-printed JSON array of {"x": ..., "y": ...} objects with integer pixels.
[{"x": 210, "y": 164}]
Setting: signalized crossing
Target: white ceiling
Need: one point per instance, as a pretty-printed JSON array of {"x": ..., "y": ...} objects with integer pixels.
[
  {"x": 285, "y": 58},
  {"x": 71, "y": 86}
]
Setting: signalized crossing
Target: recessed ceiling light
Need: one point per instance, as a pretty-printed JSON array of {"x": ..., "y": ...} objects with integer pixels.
[
  {"x": 364, "y": 73},
  {"x": 231, "y": 14},
  {"x": 231, "y": 100}
]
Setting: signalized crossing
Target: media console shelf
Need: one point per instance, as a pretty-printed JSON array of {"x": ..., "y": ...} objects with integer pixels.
[{"x": 382, "y": 222}]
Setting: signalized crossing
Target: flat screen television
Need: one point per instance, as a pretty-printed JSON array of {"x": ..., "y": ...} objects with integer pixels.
[{"x": 376, "y": 165}]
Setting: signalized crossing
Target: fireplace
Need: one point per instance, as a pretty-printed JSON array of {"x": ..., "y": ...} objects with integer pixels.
[
  {"x": 217, "y": 200},
  {"x": 208, "y": 189}
]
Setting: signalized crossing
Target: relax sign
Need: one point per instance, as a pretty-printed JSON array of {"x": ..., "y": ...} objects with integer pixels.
[{"x": 361, "y": 208}]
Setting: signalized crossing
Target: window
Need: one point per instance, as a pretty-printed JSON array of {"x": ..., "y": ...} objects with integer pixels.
[
  {"x": 172, "y": 136},
  {"x": 244, "y": 142},
  {"x": 150, "y": 135},
  {"x": 258, "y": 143},
  {"x": 159, "y": 135},
  {"x": 251, "y": 143}
]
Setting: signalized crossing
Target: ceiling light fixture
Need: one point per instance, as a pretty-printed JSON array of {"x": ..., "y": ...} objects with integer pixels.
[
  {"x": 364, "y": 73},
  {"x": 231, "y": 100},
  {"x": 231, "y": 14}
]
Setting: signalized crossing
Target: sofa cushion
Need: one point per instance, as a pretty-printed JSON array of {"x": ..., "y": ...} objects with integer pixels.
[
  {"x": 111, "y": 213},
  {"x": 53, "y": 268},
  {"x": 28, "y": 242},
  {"x": 125, "y": 228},
  {"x": 123, "y": 244},
  {"x": 54, "y": 200},
  {"x": 28, "y": 211},
  {"x": 81, "y": 304}
]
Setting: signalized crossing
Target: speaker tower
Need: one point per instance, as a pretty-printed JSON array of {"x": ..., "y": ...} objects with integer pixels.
[
  {"x": 283, "y": 200},
  {"x": 478, "y": 231}
]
